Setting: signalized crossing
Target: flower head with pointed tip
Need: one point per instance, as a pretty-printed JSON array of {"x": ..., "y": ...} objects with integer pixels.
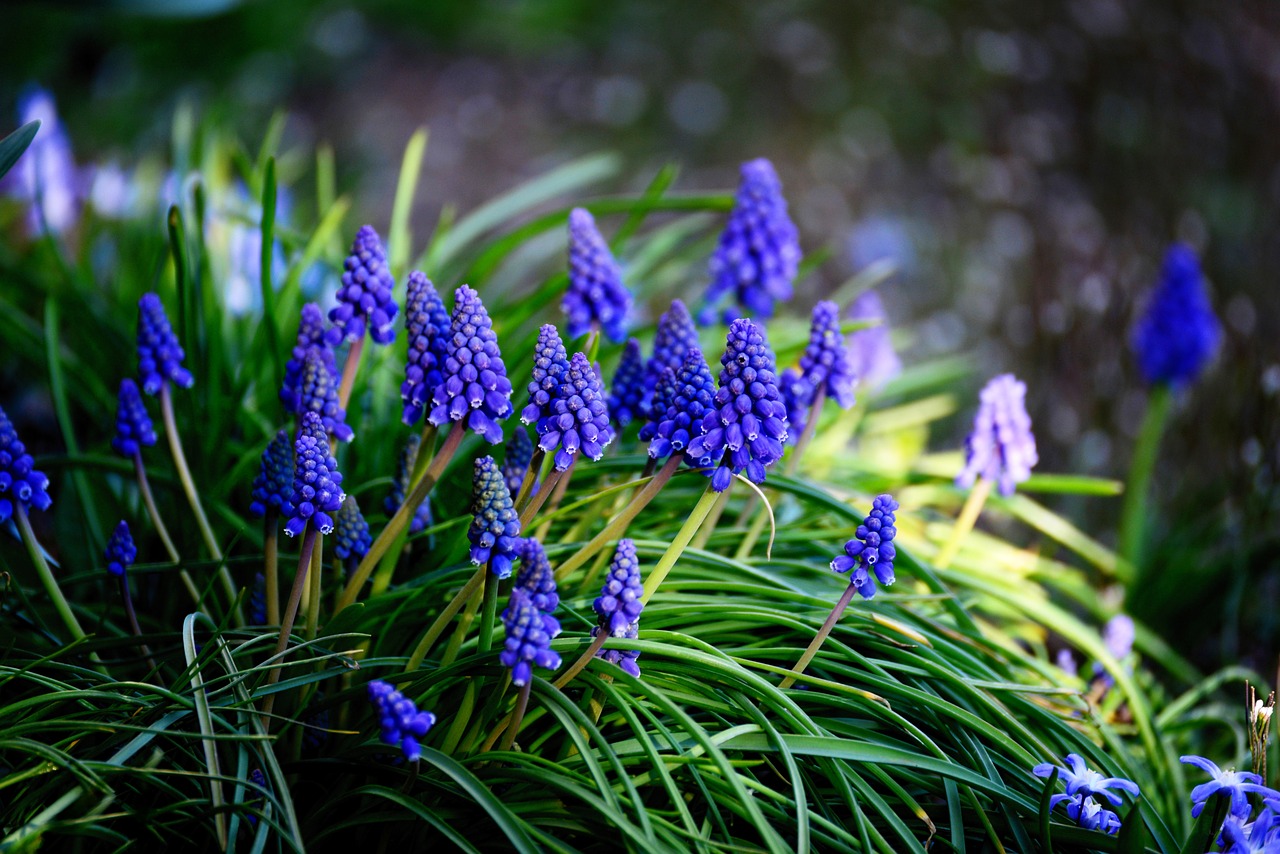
[
  {"x": 351, "y": 536},
  {"x": 402, "y": 724},
  {"x": 400, "y": 487},
  {"x": 317, "y": 483},
  {"x": 675, "y": 336},
  {"x": 759, "y": 252},
  {"x": 134, "y": 429},
  {"x": 1237, "y": 785},
  {"x": 318, "y": 393},
  {"x": 528, "y": 640},
  {"x": 596, "y": 295},
  {"x": 626, "y": 396},
  {"x": 1178, "y": 334},
  {"x": 516, "y": 461},
  {"x": 550, "y": 362},
  {"x": 365, "y": 296},
  {"x": 159, "y": 353},
  {"x": 1001, "y": 447},
  {"x": 311, "y": 335},
  {"x": 825, "y": 363},
  {"x": 273, "y": 487},
  {"x": 579, "y": 418},
  {"x": 536, "y": 575},
  {"x": 121, "y": 552},
  {"x": 1081, "y": 780},
  {"x": 475, "y": 388},
  {"x": 680, "y": 403},
  {"x": 19, "y": 482},
  {"x": 745, "y": 428},
  {"x": 495, "y": 526},
  {"x": 427, "y": 324},
  {"x": 619, "y": 603},
  {"x": 872, "y": 548}
]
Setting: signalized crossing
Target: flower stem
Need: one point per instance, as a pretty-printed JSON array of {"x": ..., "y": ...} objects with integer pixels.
[
  {"x": 530, "y": 478},
  {"x": 964, "y": 522},
  {"x": 597, "y": 644},
  {"x": 46, "y": 574},
  {"x": 713, "y": 519},
  {"x": 271, "y": 565},
  {"x": 489, "y": 613},
  {"x": 317, "y": 576},
  {"x": 680, "y": 541},
  {"x": 517, "y": 716},
  {"x": 437, "y": 628},
  {"x": 810, "y": 427},
  {"x": 816, "y": 643},
  {"x": 402, "y": 517},
  {"x": 550, "y": 485},
  {"x": 618, "y": 525},
  {"x": 464, "y": 625},
  {"x": 309, "y": 537},
  {"x": 132, "y": 616},
  {"x": 426, "y": 452},
  {"x": 349, "y": 369},
  {"x": 144, "y": 487},
  {"x": 1134, "y": 511}
]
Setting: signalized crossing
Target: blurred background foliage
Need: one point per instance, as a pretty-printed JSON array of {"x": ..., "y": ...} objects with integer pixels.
[{"x": 1023, "y": 165}]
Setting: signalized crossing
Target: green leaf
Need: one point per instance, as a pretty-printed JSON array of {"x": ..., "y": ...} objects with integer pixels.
[
  {"x": 1133, "y": 833},
  {"x": 511, "y": 826},
  {"x": 12, "y": 146},
  {"x": 1206, "y": 828}
]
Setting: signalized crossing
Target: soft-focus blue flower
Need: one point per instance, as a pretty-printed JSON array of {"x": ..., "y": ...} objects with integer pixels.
[
  {"x": 1001, "y": 447},
  {"x": 351, "y": 538},
  {"x": 872, "y": 549},
  {"x": 759, "y": 251},
  {"x": 1178, "y": 334},
  {"x": 365, "y": 297},
  {"x": 619, "y": 605},
  {"x": 796, "y": 398},
  {"x": 159, "y": 353},
  {"x": 881, "y": 238},
  {"x": 19, "y": 482},
  {"x": 121, "y": 552},
  {"x": 626, "y": 396},
  {"x": 317, "y": 483},
  {"x": 112, "y": 191},
  {"x": 680, "y": 404},
  {"x": 427, "y": 324},
  {"x": 871, "y": 355},
  {"x": 579, "y": 418},
  {"x": 402, "y": 724},
  {"x": 1237, "y": 784},
  {"x": 400, "y": 487},
  {"x": 1118, "y": 635},
  {"x": 674, "y": 337},
  {"x": 1260, "y": 837},
  {"x": 273, "y": 487},
  {"x": 528, "y": 640},
  {"x": 318, "y": 393},
  {"x": 45, "y": 176},
  {"x": 516, "y": 461},
  {"x": 475, "y": 385},
  {"x": 495, "y": 526},
  {"x": 596, "y": 295},
  {"x": 311, "y": 334},
  {"x": 241, "y": 220},
  {"x": 1081, "y": 780},
  {"x": 1087, "y": 813},
  {"x": 536, "y": 575},
  {"x": 1066, "y": 660},
  {"x": 134, "y": 429},
  {"x": 550, "y": 362},
  {"x": 747, "y": 425}
]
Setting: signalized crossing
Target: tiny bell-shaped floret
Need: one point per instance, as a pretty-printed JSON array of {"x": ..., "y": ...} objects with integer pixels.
[
  {"x": 134, "y": 430},
  {"x": 872, "y": 549},
  {"x": 159, "y": 353},
  {"x": 528, "y": 640},
  {"x": 317, "y": 489},
  {"x": 121, "y": 552},
  {"x": 1001, "y": 447},
  {"x": 626, "y": 396},
  {"x": 579, "y": 419},
  {"x": 273, "y": 487},
  {"x": 550, "y": 362},
  {"x": 19, "y": 482},
  {"x": 825, "y": 363},
  {"x": 618, "y": 606},
  {"x": 365, "y": 295},
  {"x": 596, "y": 295},
  {"x": 475, "y": 388},
  {"x": 402, "y": 724},
  {"x": 427, "y": 323},
  {"x": 495, "y": 526}
]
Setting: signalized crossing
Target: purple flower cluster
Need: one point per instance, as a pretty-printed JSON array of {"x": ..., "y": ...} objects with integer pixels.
[
  {"x": 351, "y": 538},
  {"x": 1084, "y": 786},
  {"x": 578, "y": 418},
  {"x": 121, "y": 552},
  {"x": 1001, "y": 447},
  {"x": 675, "y": 336},
  {"x": 1178, "y": 334},
  {"x": 596, "y": 295},
  {"x": 747, "y": 425},
  {"x": 759, "y": 251},
  {"x": 317, "y": 483},
  {"x": 364, "y": 298},
  {"x": 516, "y": 460},
  {"x": 528, "y": 641},
  {"x": 872, "y": 549},
  {"x": 400, "y": 487},
  {"x": 427, "y": 323},
  {"x": 134, "y": 429},
  {"x": 474, "y": 388},
  {"x": 495, "y": 526},
  {"x": 46, "y": 176},
  {"x": 402, "y": 724},
  {"x": 825, "y": 364},
  {"x": 550, "y": 362},
  {"x": 272, "y": 488},
  {"x": 311, "y": 335},
  {"x": 618, "y": 605},
  {"x": 159, "y": 353},
  {"x": 19, "y": 482},
  {"x": 796, "y": 397},
  {"x": 626, "y": 397},
  {"x": 536, "y": 576},
  {"x": 318, "y": 393},
  {"x": 680, "y": 403}
]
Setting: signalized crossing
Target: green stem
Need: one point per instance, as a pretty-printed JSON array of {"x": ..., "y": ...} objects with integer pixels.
[
  {"x": 46, "y": 574},
  {"x": 460, "y": 631},
  {"x": 964, "y": 522},
  {"x": 132, "y": 616},
  {"x": 549, "y": 486},
  {"x": 437, "y": 628},
  {"x": 681, "y": 540},
  {"x": 816, "y": 643},
  {"x": 271, "y": 565},
  {"x": 530, "y": 478},
  {"x": 713, "y": 518},
  {"x": 562, "y": 486},
  {"x": 144, "y": 487},
  {"x": 309, "y": 537},
  {"x": 400, "y": 521},
  {"x": 517, "y": 717},
  {"x": 461, "y": 718},
  {"x": 349, "y": 370},
  {"x": 1134, "y": 511},
  {"x": 317, "y": 577},
  {"x": 426, "y": 452},
  {"x": 597, "y": 644},
  {"x": 810, "y": 427},
  {"x": 489, "y": 613}
]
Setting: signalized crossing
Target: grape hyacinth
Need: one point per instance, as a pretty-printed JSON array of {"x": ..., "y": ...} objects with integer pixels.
[
  {"x": 427, "y": 324},
  {"x": 258, "y": 601},
  {"x": 759, "y": 251},
  {"x": 675, "y": 336},
  {"x": 134, "y": 429},
  {"x": 475, "y": 385},
  {"x": 1237, "y": 785},
  {"x": 872, "y": 548},
  {"x": 624, "y": 658},
  {"x": 20, "y": 484},
  {"x": 747, "y": 425},
  {"x": 528, "y": 640},
  {"x": 121, "y": 552},
  {"x": 626, "y": 396},
  {"x": 317, "y": 483},
  {"x": 596, "y": 295},
  {"x": 311, "y": 335},
  {"x": 159, "y": 353},
  {"x": 618, "y": 606},
  {"x": 825, "y": 364},
  {"x": 365, "y": 295},
  {"x": 1178, "y": 333},
  {"x": 515, "y": 462},
  {"x": 680, "y": 404},
  {"x": 351, "y": 538},
  {"x": 871, "y": 355},
  {"x": 550, "y": 362},
  {"x": 400, "y": 487},
  {"x": 797, "y": 397},
  {"x": 578, "y": 418},
  {"x": 273, "y": 487},
  {"x": 318, "y": 393},
  {"x": 1001, "y": 447},
  {"x": 536, "y": 575},
  {"x": 402, "y": 724},
  {"x": 495, "y": 526}
]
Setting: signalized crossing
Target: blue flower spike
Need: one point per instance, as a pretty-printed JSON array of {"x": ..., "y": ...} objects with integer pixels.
[
  {"x": 619, "y": 603},
  {"x": 159, "y": 353},
  {"x": 474, "y": 389},
  {"x": 121, "y": 552},
  {"x": 824, "y": 366},
  {"x": 1001, "y": 447},
  {"x": 273, "y": 487},
  {"x": 680, "y": 405},
  {"x": 134, "y": 429},
  {"x": 317, "y": 483},
  {"x": 536, "y": 576},
  {"x": 400, "y": 487},
  {"x": 579, "y": 416},
  {"x": 626, "y": 395},
  {"x": 427, "y": 324},
  {"x": 318, "y": 393},
  {"x": 20, "y": 483},
  {"x": 351, "y": 538},
  {"x": 675, "y": 336},
  {"x": 871, "y": 355},
  {"x": 516, "y": 461},
  {"x": 1178, "y": 334},
  {"x": 595, "y": 296},
  {"x": 495, "y": 526},
  {"x": 311, "y": 334},
  {"x": 403, "y": 725},
  {"x": 365, "y": 298},
  {"x": 528, "y": 640},
  {"x": 550, "y": 363},
  {"x": 871, "y": 550}
]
